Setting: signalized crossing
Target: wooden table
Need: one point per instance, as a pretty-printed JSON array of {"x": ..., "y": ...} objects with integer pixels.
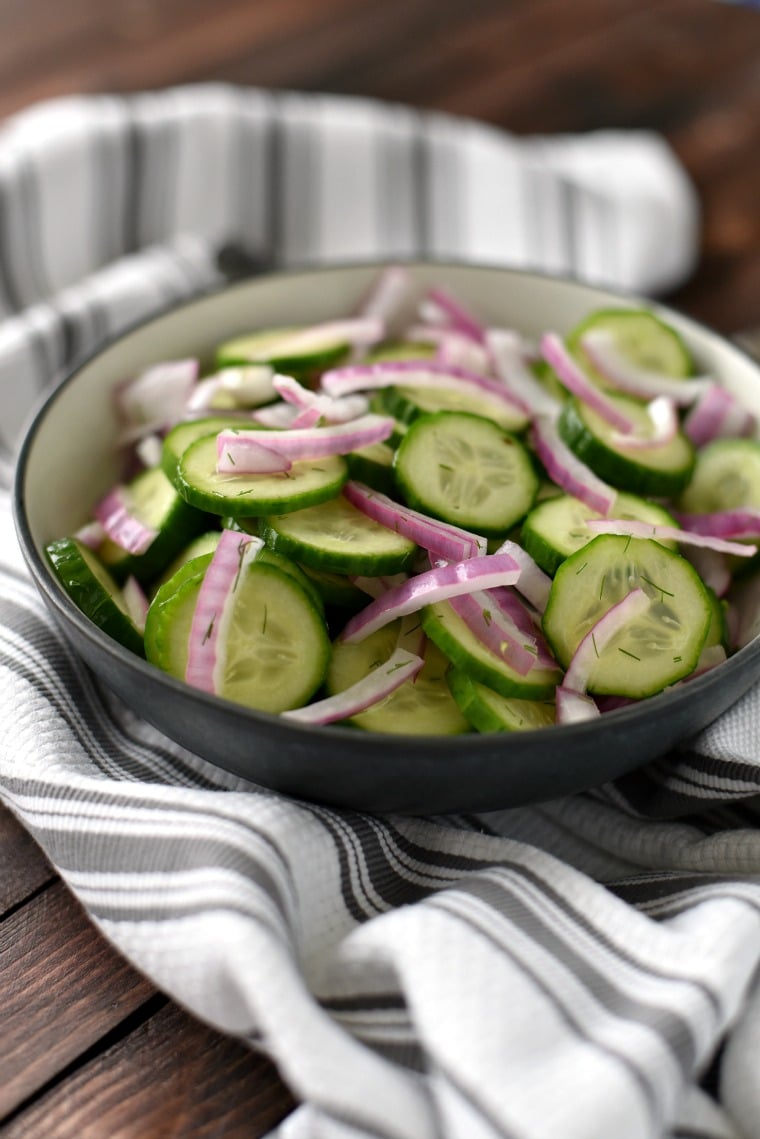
[{"x": 90, "y": 1049}]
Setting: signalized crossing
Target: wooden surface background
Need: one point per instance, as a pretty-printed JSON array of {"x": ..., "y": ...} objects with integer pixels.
[{"x": 89, "y": 1048}]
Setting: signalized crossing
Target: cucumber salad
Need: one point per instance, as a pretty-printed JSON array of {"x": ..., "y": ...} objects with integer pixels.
[{"x": 429, "y": 525}]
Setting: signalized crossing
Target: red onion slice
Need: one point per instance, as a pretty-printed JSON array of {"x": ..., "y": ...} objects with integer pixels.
[
  {"x": 427, "y": 588},
  {"x": 157, "y": 397},
  {"x": 534, "y": 584},
  {"x": 115, "y": 514},
  {"x": 717, "y": 415},
  {"x": 572, "y": 376},
  {"x": 257, "y": 460},
  {"x": 438, "y": 538},
  {"x": 566, "y": 470},
  {"x": 495, "y": 630},
  {"x": 238, "y": 450},
  {"x": 574, "y": 707},
  {"x": 370, "y": 690},
  {"x": 600, "y": 345},
  {"x": 669, "y": 534},
  {"x": 440, "y": 307},
  {"x": 418, "y": 374},
  {"x": 744, "y": 522},
  {"x": 528, "y": 622},
  {"x": 387, "y": 295},
  {"x": 244, "y": 387},
  {"x": 90, "y": 535},
  {"x": 214, "y": 609},
  {"x": 508, "y": 355},
  {"x": 327, "y": 408},
  {"x": 599, "y": 636}
]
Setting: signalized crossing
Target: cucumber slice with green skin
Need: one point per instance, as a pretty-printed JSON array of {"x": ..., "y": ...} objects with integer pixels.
[
  {"x": 466, "y": 470},
  {"x": 336, "y": 536},
  {"x": 157, "y": 504},
  {"x": 447, "y": 630},
  {"x": 726, "y": 477},
  {"x": 170, "y": 616},
  {"x": 407, "y": 402},
  {"x": 277, "y": 648},
  {"x": 270, "y": 346},
  {"x": 641, "y": 336},
  {"x": 336, "y": 590},
  {"x": 400, "y": 350},
  {"x": 203, "y": 544},
  {"x": 93, "y": 590},
  {"x": 656, "y": 649},
  {"x": 242, "y": 496},
  {"x": 556, "y": 528},
  {"x": 180, "y": 437},
  {"x": 487, "y": 711},
  {"x": 661, "y": 471},
  {"x": 423, "y": 706},
  {"x": 373, "y": 465}
]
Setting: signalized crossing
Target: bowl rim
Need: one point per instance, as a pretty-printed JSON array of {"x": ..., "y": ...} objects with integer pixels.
[{"x": 54, "y": 592}]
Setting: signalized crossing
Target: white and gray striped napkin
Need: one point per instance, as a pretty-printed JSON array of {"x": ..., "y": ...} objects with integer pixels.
[{"x": 583, "y": 968}]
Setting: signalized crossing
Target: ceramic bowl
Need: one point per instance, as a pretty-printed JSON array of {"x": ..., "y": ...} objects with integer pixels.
[{"x": 68, "y": 460}]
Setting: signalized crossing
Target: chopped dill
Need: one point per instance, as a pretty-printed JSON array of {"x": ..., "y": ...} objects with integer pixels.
[{"x": 626, "y": 653}]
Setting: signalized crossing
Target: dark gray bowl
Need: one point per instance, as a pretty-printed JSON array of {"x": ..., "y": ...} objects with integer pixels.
[{"x": 68, "y": 460}]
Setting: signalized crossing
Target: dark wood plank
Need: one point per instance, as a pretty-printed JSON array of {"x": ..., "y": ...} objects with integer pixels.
[
  {"x": 25, "y": 868},
  {"x": 63, "y": 988},
  {"x": 169, "y": 1077}
]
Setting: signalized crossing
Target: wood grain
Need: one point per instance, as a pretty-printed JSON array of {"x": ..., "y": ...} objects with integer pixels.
[
  {"x": 25, "y": 868},
  {"x": 63, "y": 988},
  {"x": 170, "y": 1078}
]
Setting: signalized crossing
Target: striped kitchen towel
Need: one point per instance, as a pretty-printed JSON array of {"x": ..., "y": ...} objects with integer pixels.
[{"x": 584, "y": 967}]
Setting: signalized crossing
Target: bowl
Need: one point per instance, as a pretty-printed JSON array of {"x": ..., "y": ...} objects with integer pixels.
[{"x": 68, "y": 460}]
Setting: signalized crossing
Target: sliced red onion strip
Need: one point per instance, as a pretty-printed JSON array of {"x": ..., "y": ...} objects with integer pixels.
[
  {"x": 257, "y": 460},
  {"x": 325, "y": 407},
  {"x": 600, "y": 345},
  {"x": 443, "y": 308},
  {"x": 599, "y": 636},
  {"x": 664, "y": 419},
  {"x": 494, "y": 629},
  {"x": 508, "y": 355},
  {"x": 529, "y": 624},
  {"x": 279, "y": 415},
  {"x": 114, "y": 512},
  {"x": 439, "y": 538},
  {"x": 370, "y": 690},
  {"x": 534, "y": 584},
  {"x": 427, "y": 588},
  {"x": 717, "y": 415},
  {"x": 136, "y": 602},
  {"x": 387, "y": 295},
  {"x": 567, "y": 470},
  {"x": 249, "y": 386},
  {"x": 668, "y": 533},
  {"x": 90, "y": 535},
  {"x": 158, "y": 395},
  {"x": 574, "y": 707},
  {"x": 456, "y": 351},
  {"x": 237, "y": 450},
  {"x": 418, "y": 374},
  {"x": 744, "y": 522},
  {"x": 214, "y": 608},
  {"x": 578, "y": 383}
]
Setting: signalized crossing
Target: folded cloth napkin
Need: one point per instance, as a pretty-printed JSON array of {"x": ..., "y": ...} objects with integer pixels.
[{"x": 580, "y": 968}]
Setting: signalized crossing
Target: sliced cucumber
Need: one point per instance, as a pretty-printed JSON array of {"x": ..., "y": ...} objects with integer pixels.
[
  {"x": 661, "y": 471},
  {"x": 336, "y": 536},
  {"x": 407, "y": 402},
  {"x": 336, "y": 590},
  {"x": 180, "y": 437},
  {"x": 453, "y": 637},
  {"x": 373, "y": 465},
  {"x": 276, "y": 346},
  {"x": 157, "y": 504},
  {"x": 241, "y": 496},
  {"x": 400, "y": 350},
  {"x": 277, "y": 649},
  {"x": 423, "y": 706},
  {"x": 466, "y": 470},
  {"x": 653, "y": 651},
  {"x": 203, "y": 544},
  {"x": 557, "y": 527},
  {"x": 94, "y": 591},
  {"x": 639, "y": 335},
  {"x": 726, "y": 476},
  {"x": 487, "y": 711}
]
